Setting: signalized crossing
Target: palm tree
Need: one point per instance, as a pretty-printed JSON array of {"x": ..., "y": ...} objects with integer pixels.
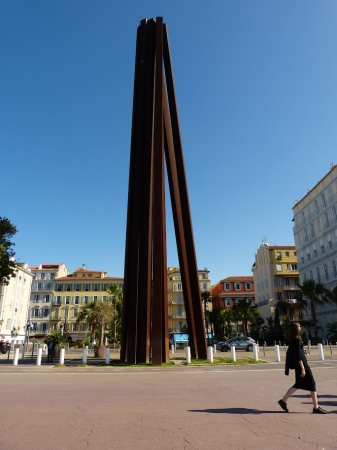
[
  {"x": 331, "y": 295},
  {"x": 244, "y": 311},
  {"x": 315, "y": 294},
  {"x": 98, "y": 314},
  {"x": 87, "y": 315},
  {"x": 224, "y": 319},
  {"x": 117, "y": 300},
  {"x": 332, "y": 330}
]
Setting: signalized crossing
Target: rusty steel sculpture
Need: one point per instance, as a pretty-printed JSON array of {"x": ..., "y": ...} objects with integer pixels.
[{"x": 155, "y": 137}]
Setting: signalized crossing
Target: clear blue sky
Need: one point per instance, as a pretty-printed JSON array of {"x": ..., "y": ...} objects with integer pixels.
[{"x": 256, "y": 90}]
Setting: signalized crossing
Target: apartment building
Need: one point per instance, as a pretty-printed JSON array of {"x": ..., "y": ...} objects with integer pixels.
[
  {"x": 14, "y": 304},
  {"x": 42, "y": 295},
  {"x": 227, "y": 291},
  {"x": 176, "y": 308},
  {"x": 72, "y": 293},
  {"x": 275, "y": 275},
  {"x": 315, "y": 234}
]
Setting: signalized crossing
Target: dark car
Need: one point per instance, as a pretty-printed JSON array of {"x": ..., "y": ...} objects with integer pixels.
[
  {"x": 4, "y": 347},
  {"x": 239, "y": 342}
]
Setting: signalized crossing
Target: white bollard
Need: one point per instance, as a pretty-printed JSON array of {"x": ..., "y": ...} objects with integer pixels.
[
  {"x": 210, "y": 353},
  {"x": 85, "y": 355},
  {"x": 107, "y": 355},
  {"x": 188, "y": 355},
  {"x": 320, "y": 352},
  {"x": 258, "y": 347},
  {"x": 277, "y": 353},
  {"x": 214, "y": 348},
  {"x": 16, "y": 357},
  {"x": 256, "y": 351},
  {"x": 233, "y": 353},
  {"x": 39, "y": 356},
  {"x": 62, "y": 352},
  {"x": 172, "y": 348}
]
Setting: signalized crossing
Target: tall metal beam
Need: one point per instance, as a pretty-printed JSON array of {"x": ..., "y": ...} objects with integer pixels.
[{"x": 156, "y": 134}]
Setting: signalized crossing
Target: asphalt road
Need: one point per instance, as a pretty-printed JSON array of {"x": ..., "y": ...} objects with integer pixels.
[{"x": 182, "y": 407}]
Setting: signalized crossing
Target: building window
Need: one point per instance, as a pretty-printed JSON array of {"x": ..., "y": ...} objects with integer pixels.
[
  {"x": 305, "y": 277},
  {"x": 323, "y": 200},
  {"x": 36, "y": 298},
  {"x": 67, "y": 300},
  {"x": 315, "y": 253},
  {"x": 36, "y": 313},
  {"x": 318, "y": 274},
  {"x": 59, "y": 287},
  {"x": 43, "y": 276},
  {"x": 52, "y": 276},
  {"x": 326, "y": 274},
  {"x": 66, "y": 312},
  {"x": 75, "y": 312},
  {"x": 77, "y": 300},
  {"x": 326, "y": 220},
  {"x": 334, "y": 268},
  {"x": 204, "y": 286},
  {"x": 104, "y": 286},
  {"x": 45, "y": 312},
  {"x": 44, "y": 327},
  {"x": 47, "y": 298},
  {"x": 96, "y": 287},
  {"x": 228, "y": 302},
  {"x": 77, "y": 287},
  {"x": 312, "y": 230},
  {"x": 58, "y": 300},
  {"x": 248, "y": 286},
  {"x": 87, "y": 287},
  {"x": 279, "y": 267},
  {"x": 86, "y": 299},
  {"x": 68, "y": 287},
  {"x": 237, "y": 286},
  {"x": 287, "y": 253},
  {"x": 279, "y": 295},
  {"x": 227, "y": 286},
  {"x": 316, "y": 209},
  {"x": 95, "y": 298},
  {"x": 278, "y": 255}
]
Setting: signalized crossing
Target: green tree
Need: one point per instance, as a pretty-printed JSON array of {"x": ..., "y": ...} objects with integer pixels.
[
  {"x": 116, "y": 295},
  {"x": 332, "y": 331},
  {"x": 245, "y": 312},
  {"x": 98, "y": 314},
  {"x": 331, "y": 295},
  {"x": 7, "y": 264},
  {"x": 315, "y": 294},
  {"x": 224, "y": 319}
]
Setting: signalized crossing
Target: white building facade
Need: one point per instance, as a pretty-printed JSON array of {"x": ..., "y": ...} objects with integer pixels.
[
  {"x": 14, "y": 304},
  {"x": 42, "y": 293},
  {"x": 315, "y": 233}
]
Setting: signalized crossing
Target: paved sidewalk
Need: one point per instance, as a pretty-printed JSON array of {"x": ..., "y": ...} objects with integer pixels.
[{"x": 215, "y": 408}]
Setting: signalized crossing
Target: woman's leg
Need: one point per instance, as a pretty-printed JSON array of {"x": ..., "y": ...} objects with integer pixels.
[
  {"x": 289, "y": 393},
  {"x": 314, "y": 399}
]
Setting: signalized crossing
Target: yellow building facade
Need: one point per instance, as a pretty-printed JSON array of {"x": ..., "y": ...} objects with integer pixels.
[
  {"x": 276, "y": 276},
  {"x": 176, "y": 308},
  {"x": 72, "y": 293}
]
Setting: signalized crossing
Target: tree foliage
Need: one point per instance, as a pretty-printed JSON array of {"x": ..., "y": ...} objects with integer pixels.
[
  {"x": 315, "y": 294},
  {"x": 7, "y": 264}
]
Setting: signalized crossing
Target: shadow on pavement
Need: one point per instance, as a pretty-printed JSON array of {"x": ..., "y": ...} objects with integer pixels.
[{"x": 236, "y": 411}]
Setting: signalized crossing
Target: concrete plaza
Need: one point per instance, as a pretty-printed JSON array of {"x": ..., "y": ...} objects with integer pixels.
[{"x": 181, "y": 407}]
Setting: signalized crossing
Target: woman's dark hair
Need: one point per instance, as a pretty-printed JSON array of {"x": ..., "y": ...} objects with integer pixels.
[{"x": 294, "y": 332}]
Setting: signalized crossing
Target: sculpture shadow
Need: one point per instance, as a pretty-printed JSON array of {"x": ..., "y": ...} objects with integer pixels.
[
  {"x": 236, "y": 411},
  {"x": 318, "y": 395}
]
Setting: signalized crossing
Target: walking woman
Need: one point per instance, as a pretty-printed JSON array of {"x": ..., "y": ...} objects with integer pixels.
[{"x": 304, "y": 378}]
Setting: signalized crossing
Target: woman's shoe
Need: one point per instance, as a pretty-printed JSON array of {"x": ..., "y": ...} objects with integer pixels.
[
  {"x": 283, "y": 405},
  {"x": 319, "y": 410}
]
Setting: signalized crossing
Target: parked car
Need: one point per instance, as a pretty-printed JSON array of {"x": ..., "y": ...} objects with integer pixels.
[
  {"x": 4, "y": 347},
  {"x": 239, "y": 342}
]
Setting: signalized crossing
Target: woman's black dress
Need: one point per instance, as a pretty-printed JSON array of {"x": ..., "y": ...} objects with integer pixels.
[{"x": 306, "y": 383}]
